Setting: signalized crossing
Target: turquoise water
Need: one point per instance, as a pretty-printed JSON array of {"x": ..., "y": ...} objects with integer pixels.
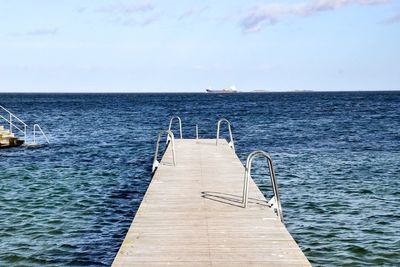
[{"x": 336, "y": 155}]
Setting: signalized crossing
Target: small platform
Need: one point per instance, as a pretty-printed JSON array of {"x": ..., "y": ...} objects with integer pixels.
[
  {"x": 8, "y": 139},
  {"x": 191, "y": 215}
]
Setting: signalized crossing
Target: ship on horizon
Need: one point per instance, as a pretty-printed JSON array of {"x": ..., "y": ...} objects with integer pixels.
[{"x": 229, "y": 90}]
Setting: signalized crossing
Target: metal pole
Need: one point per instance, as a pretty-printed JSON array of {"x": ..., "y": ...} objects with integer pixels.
[
  {"x": 11, "y": 123},
  {"x": 197, "y": 132},
  {"x": 34, "y": 134},
  {"x": 219, "y": 122}
]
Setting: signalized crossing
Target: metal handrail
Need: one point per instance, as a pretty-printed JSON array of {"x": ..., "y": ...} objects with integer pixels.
[
  {"x": 275, "y": 200},
  {"x": 34, "y": 134},
  {"x": 231, "y": 143},
  {"x": 171, "y": 135},
  {"x": 10, "y": 122},
  {"x": 15, "y": 126},
  {"x": 180, "y": 124}
]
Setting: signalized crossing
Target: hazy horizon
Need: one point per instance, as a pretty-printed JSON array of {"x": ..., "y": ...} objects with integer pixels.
[{"x": 189, "y": 92}]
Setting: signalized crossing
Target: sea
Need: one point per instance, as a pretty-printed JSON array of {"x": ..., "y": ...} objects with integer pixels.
[{"x": 336, "y": 158}]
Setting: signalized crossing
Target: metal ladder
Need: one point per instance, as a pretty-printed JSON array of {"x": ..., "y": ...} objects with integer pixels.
[
  {"x": 37, "y": 126},
  {"x": 231, "y": 142},
  {"x": 275, "y": 201},
  {"x": 172, "y": 141},
  {"x": 170, "y": 126}
]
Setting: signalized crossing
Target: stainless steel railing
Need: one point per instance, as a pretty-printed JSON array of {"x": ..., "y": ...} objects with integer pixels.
[
  {"x": 231, "y": 142},
  {"x": 172, "y": 138},
  {"x": 41, "y": 131},
  {"x": 274, "y": 202},
  {"x": 10, "y": 120},
  {"x": 180, "y": 125}
]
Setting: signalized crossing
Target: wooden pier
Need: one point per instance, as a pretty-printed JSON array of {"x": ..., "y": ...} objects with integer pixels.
[
  {"x": 192, "y": 215},
  {"x": 8, "y": 139}
]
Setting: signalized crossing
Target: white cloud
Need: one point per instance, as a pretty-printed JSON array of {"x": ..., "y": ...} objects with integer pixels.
[
  {"x": 127, "y": 9},
  {"x": 393, "y": 19},
  {"x": 254, "y": 20},
  {"x": 194, "y": 11},
  {"x": 133, "y": 14},
  {"x": 43, "y": 31}
]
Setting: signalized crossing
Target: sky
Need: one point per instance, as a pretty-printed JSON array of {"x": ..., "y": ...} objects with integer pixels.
[{"x": 190, "y": 45}]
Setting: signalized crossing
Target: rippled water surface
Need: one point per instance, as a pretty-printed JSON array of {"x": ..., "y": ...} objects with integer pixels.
[{"x": 337, "y": 158}]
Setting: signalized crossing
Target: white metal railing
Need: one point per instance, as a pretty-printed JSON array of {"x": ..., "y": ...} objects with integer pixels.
[
  {"x": 170, "y": 126},
  {"x": 172, "y": 138},
  {"x": 274, "y": 202},
  {"x": 10, "y": 120},
  {"x": 41, "y": 131},
  {"x": 231, "y": 142}
]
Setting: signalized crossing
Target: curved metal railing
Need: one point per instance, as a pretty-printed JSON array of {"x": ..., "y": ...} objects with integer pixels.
[
  {"x": 172, "y": 138},
  {"x": 231, "y": 142},
  {"x": 41, "y": 131},
  {"x": 180, "y": 125},
  {"x": 274, "y": 202}
]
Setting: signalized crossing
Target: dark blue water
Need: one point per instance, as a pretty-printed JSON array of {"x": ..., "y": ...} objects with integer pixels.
[{"x": 337, "y": 158}]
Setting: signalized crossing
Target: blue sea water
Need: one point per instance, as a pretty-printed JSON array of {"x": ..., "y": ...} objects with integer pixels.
[{"x": 337, "y": 159}]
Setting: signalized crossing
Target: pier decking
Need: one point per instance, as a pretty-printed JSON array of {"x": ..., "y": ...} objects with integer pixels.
[{"x": 192, "y": 215}]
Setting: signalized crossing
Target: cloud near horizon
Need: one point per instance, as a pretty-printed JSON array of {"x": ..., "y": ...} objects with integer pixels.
[
  {"x": 258, "y": 16},
  {"x": 393, "y": 19},
  {"x": 120, "y": 8},
  {"x": 132, "y": 14},
  {"x": 194, "y": 11},
  {"x": 43, "y": 31}
]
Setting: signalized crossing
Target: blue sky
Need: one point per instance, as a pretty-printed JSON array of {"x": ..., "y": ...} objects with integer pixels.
[{"x": 188, "y": 45}]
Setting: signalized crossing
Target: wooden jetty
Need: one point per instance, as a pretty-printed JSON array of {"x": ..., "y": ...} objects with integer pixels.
[
  {"x": 8, "y": 139},
  {"x": 15, "y": 124},
  {"x": 192, "y": 215}
]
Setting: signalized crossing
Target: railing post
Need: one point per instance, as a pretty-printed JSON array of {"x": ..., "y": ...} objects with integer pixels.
[
  {"x": 197, "y": 132},
  {"x": 34, "y": 134},
  {"x": 11, "y": 123}
]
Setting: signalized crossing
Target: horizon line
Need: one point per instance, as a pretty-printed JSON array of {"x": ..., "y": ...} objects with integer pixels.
[{"x": 191, "y": 92}]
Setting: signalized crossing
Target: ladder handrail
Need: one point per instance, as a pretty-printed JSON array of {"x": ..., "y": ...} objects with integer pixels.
[
  {"x": 171, "y": 135},
  {"x": 180, "y": 126},
  {"x": 13, "y": 115},
  {"x": 275, "y": 201},
  {"x": 10, "y": 121},
  {"x": 15, "y": 126},
  {"x": 40, "y": 129},
  {"x": 231, "y": 142}
]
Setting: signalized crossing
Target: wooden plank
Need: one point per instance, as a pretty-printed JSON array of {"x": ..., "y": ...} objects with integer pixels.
[{"x": 191, "y": 215}]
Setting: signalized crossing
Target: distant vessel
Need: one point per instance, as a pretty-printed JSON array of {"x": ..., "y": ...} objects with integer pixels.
[{"x": 229, "y": 90}]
